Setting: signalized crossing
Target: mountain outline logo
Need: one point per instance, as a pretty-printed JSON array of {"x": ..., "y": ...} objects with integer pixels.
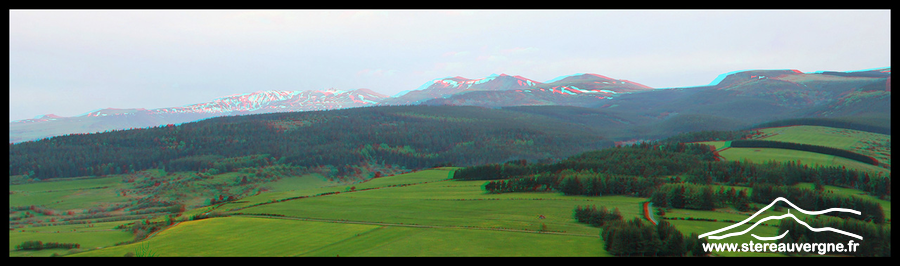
[{"x": 712, "y": 235}]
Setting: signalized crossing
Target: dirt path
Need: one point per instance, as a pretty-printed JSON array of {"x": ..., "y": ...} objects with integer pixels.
[{"x": 647, "y": 213}]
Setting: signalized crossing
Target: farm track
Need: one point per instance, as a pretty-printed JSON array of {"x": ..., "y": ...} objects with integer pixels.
[
  {"x": 413, "y": 225},
  {"x": 647, "y": 214}
]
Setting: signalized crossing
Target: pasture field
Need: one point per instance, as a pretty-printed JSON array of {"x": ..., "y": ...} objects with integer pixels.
[
  {"x": 716, "y": 144},
  {"x": 442, "y": 242},
  {"x": 246, "y": 236},
  {"x": 67, "y": 194},
  {"x": 437, "y": 218},
  {"x": 415, "y": 214},
  {"x": 761, "y": 155},
  {"x": 240, "y": 236},
  {"x": 423, "y": 213},
  {"x": 871, "y": 144},
  {"x": 69, "y": 184},
  {"x": 289, "y": 183},
  {"x": 433, "y": 175},
  {"x": 866, "y": 143},
  {"x": 90, "y": 237},
  {"x": 315, "y": 184},
  {"x": 452, "y": 203}
]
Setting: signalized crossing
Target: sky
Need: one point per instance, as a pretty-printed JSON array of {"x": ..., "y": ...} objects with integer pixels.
[{"x": 70, "y": 62}]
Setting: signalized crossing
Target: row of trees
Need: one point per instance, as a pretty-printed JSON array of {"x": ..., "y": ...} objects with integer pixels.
[
  {"x": 642, "y": 159},
  {"x": 699, "y": 197},
  {"x": 428, "y": 135},
  {"x": 596, "y": 217},
  {"x": 787, "y": 173},
  {"x": 804, "y": 147},
  {"x": 710, "y": 135},
  {"x": 879, "y": 125},
  {"x": 635, "y": 238},
  {"x": 570, "y": 182},
  {"x": 495, "y": 171},
  {"x": 589, "y": 183},
  {"x": 814, "y": 200},
  {"x": 876, "y": 240},
  {"x": 38, "y": 245},
  {"x": 625, "y": 170}
]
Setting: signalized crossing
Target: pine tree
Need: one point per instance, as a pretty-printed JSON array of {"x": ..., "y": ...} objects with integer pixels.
[
  {"x": 697, "y": 249},
  {"x": 787, "y": 239},
  {"x": 707, "y": 200}
]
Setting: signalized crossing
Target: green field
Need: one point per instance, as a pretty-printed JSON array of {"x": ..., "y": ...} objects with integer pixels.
[
  {"x": 871, "y": 144},
  {"x": 89, "y": 236},
  {"x": 67, "y": 194},
  {"x": 416, "y": 214},
  {"x": 244, "y": 236},
  {"x": 423, "y": 213},
  {"x": 437, "y": 216}
]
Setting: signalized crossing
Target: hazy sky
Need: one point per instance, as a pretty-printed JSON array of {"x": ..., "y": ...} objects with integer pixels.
[{"x": 70, "y": 62}]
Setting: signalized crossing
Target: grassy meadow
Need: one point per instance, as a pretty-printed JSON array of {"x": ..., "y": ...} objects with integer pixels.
[
  {"x": 415, "y": 214},
  {"x": 866, "y": 143},
  {"x": 423, "y": 213},
  {"x": 387, "y": 217}
]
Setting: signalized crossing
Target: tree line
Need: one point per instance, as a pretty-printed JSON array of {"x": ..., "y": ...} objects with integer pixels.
[
  {"x": 699, "y": 197},
  {"x": 570, "y": 182},
  {"x": 640, "y": 159},
  {"x": 412, "y": 137},
  {"x": 596, "y": 217},
  {"x": 38, "y": 245},
  {"x": 876, "y": 240},
  {"x": 804, "y": 147},
  {"x": 817, "y": 199},
  {"x": 874, "y": 125},
  {"x": 711, "y": 135},
  {"x": 636, "y": 238},
  {"x": 690, "y": 163},
  {"x": 737, "y": 173}
]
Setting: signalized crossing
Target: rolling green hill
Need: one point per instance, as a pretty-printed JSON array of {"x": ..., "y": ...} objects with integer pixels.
[
  {"x": 410, "y": 137},
  {"x": 464, "y": 180}
]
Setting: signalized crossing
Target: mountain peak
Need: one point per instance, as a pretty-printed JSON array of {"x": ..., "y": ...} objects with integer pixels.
[
  {"x": 47, "y": 116},
  {"x": 580, "y": 76},
  {"x": 368, "y": 91},
  {"x": 733, "y": 76}
]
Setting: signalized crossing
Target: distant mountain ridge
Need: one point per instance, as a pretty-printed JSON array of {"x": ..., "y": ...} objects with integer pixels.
[
  {"x": 772, "y": 92},
  {"x": 239, "y": 104},
  {"x": 445, "y": 87},
  {"x": 266, "y": 101},
  {"x": 573, "y": 90}
]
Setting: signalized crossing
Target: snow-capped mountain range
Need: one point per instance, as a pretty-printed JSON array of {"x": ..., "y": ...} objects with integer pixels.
[
  {"x": 582, "y": 90},
  {"x": 241, "y": 104},
  {"x": 310, "y": 100},
  {"x": 276, "y": 101},
  {"x": 451, "y": 87}
]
